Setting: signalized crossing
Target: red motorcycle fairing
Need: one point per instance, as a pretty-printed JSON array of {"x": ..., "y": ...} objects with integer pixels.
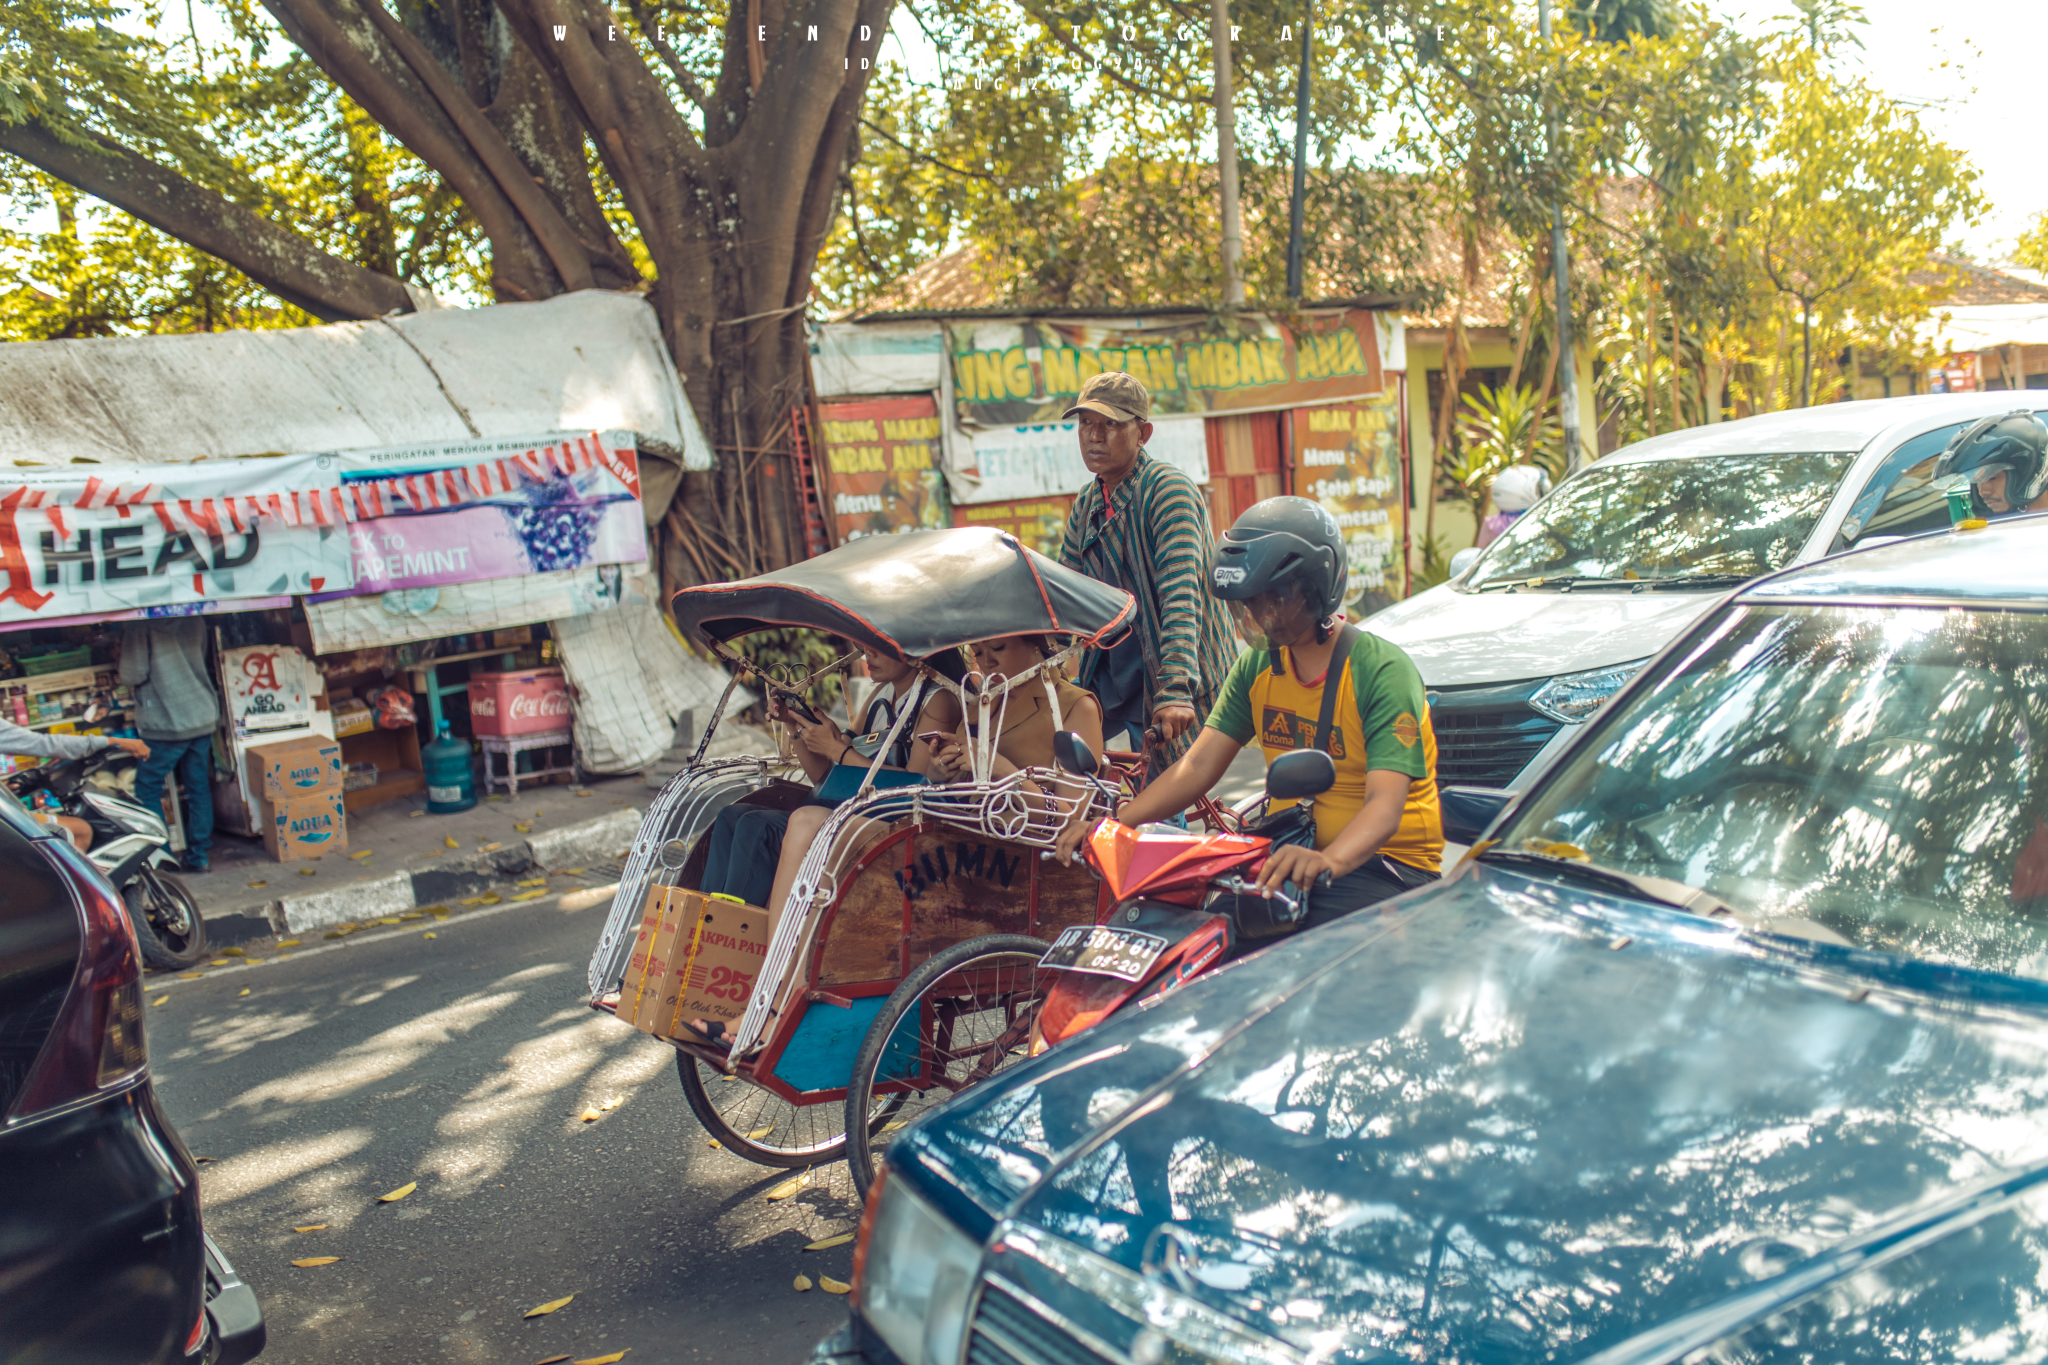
[
  {"x": 1168, "y": 865},
  {"x": 1078, "y": 1000}
]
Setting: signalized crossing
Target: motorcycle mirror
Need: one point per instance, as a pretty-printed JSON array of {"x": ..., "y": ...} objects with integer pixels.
[
  {"x": 1073, "y": 755},
  {"x": 1301, "y": 774}
]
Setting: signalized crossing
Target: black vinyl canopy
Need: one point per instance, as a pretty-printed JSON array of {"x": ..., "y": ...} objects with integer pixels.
[{"x": 914, "y": 594}]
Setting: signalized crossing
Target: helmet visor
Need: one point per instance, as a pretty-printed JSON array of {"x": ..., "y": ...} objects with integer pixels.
[{"x": 1274, "y": 619}]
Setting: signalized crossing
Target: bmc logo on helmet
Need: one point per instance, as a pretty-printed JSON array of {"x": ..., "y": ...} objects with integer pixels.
[{"x": 1228, "y": 575}]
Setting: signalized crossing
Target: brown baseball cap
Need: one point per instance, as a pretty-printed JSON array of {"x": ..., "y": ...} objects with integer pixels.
[{"x": 1115, "y": 395}]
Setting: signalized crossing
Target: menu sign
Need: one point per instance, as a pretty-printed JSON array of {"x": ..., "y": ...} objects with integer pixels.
[
  {"x": 883, "y": 455},
  {"x": 1040, "y": 523},
  {"x": 1347, "y": 457}
]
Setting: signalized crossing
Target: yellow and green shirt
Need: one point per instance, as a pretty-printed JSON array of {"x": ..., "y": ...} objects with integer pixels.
[{"x": 1381, "y": 722}]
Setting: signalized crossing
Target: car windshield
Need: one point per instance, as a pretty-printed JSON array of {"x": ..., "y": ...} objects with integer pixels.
[
  {"x": 1874, "y": 772},
  {"x": 1734, "y": 515}
]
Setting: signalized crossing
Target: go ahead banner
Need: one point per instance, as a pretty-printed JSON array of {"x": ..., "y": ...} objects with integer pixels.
[{"x": 89, "y": 539}]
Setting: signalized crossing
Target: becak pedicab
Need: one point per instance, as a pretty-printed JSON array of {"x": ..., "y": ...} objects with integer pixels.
[{"x": 910, "y": 939}]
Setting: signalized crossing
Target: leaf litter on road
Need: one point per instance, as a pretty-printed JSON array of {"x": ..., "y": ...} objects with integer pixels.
[
  {"x": 832, "y": 1286},
  {"x": 312, "y": 1227},
  {"x": 310, "y": 1261},
  {"x": 828, "y": 1243},
  {"x": 790, "y": 1186},
  {"x": 613, "y": 1359},
  {"x": 401, "y": 1192},
  {"x": 548, "y": 1307},
  {"x": 802, "y": 1282}
]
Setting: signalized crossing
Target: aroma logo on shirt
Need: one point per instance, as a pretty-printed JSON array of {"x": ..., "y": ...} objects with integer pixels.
[{"x": 1283, "y": 729}]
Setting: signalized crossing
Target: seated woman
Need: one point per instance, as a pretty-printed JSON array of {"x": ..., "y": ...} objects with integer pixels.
[{"x": 1025, "y": 740}]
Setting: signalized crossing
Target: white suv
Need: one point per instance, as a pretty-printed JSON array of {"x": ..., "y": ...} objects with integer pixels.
[{"x": 1536, "y": 632}]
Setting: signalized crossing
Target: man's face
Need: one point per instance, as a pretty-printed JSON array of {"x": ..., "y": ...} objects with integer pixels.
[
  {"x": 1109, "y": 449},
  {"x": 1280, "y": 619},
  {"x": 1991, "y": 488}
]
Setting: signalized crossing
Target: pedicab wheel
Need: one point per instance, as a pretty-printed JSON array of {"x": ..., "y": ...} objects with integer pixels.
[
  {"x": 959, "y": 1018},
  {"x": 759, "y": 1124}
]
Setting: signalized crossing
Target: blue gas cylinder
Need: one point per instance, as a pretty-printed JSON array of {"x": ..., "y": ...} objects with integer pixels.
[{"x": 450, "y": 785}]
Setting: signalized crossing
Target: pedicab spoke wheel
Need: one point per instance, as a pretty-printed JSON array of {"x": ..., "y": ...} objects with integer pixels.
[
  {"x": 962, "y": 1016},
  {"x": 758, "y": 1124}
]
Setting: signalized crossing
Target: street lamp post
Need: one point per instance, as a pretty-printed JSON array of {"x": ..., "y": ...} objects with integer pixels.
[
  {"x": 1294, "y": 208},
  {"x": 1560, "y": 269}
]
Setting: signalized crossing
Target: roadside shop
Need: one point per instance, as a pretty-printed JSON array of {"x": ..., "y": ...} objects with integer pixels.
[
  {"x": 397, "y": 533},
  {"x": 953, "y": 418}
]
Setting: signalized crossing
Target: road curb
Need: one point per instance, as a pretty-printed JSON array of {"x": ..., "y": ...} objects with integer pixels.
[{"x": 587, "y": 841}]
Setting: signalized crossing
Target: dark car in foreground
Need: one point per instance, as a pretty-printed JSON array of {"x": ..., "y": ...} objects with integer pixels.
[
  {"x": 1729, "y": 1043},
  {"x": 102, "y": 1255}
]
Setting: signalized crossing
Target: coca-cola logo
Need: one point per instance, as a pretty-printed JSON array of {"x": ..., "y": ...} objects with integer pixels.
[
  {"x": 483, "y": 706},
  {"x": 546, "y": 704}
]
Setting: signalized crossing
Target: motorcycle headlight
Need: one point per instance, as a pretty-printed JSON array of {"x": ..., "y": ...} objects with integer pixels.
[
  {"x": 916, "y": 1277},
  {"x": 1574, "y": 697}
]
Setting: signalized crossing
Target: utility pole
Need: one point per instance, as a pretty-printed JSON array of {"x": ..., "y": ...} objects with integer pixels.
[
  {"x": 1560, "y": 269},
  {"x": 1226, "y": 155},
  {"x": 1294, "y": 209}
]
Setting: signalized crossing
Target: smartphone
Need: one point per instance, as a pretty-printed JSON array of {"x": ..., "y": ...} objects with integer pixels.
[
  {"x": 932, "y": 739},
  {"x": 791, "y": 701}
]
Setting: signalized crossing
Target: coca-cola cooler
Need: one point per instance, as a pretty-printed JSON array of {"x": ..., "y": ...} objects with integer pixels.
[{"x": 528, "y": 702}]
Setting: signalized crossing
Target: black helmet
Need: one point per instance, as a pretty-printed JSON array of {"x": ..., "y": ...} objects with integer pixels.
[
  {"x": 1281, "y": 541},
  {"x": 2015, "y": 445}
]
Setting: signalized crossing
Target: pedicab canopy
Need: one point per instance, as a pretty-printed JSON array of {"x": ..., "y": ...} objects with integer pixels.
[{"x": 914, "y": 594}]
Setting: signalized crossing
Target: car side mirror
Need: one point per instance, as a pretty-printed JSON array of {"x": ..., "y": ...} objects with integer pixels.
[
  {"x": 1470, "y": 811},
  {"x": 1464, "y": 559},
  {"x": 1073, "y": 755},
  {"x": 1299, "y": 775}
]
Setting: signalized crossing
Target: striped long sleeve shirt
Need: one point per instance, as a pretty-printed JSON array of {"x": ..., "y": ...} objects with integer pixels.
[{"x": 1151, "y": 537}]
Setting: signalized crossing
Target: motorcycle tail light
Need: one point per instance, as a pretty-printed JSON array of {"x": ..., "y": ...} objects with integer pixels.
[
  {"x": 1077, "y": 1001},
  {"x": 96, "y": 1041},
  {"x": 198, "y": 1337}
]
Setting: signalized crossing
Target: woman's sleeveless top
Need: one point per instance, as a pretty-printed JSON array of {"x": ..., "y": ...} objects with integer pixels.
[{"x": 1026, "y": 738}]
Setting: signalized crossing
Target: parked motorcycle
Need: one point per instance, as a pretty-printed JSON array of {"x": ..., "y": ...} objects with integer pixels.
[
  {"x": 131, "y": 845},
  {"x": 1183, "y": 901}
]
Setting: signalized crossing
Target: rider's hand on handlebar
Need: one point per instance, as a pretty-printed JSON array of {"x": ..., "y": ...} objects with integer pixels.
[
  {"x": 1292, "y": 863},
  {"x": 1170, "y": 722},
  {"x": 133, "y": 746}
]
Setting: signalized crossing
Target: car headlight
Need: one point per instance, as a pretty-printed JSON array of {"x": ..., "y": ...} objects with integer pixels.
[
  {"x": 1574, "y": 697},
  {"x": 917, "y": 1274}
]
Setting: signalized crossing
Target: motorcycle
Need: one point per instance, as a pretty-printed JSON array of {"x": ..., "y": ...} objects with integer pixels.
[
  {"x": 131, "y": 845},
  {"x": 1184, "y": 902}
]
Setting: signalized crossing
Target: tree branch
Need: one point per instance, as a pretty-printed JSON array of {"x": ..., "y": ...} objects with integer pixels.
[
  {"x": 887, "y": 136},
  {"x": 289, "y": 266},
  {"x": 669, "y": 57}
]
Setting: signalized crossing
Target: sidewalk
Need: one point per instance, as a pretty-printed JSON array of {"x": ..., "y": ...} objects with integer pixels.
[{"x": 400, "y": 858}]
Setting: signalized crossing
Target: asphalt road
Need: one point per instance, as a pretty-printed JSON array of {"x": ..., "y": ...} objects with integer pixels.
[{"x": 463, "y": 1062}]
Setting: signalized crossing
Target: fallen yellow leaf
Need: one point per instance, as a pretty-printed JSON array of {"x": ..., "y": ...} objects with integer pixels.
[
  {"x": 305, "y": 872},
  {"x": 828, "y": 1243},
  {"x": 489, "y": 848},
  {"x": 256, "y": 884},
  {"x": 366, "y": 853},
  {"x": 760, "y": 1133},
  {"x": 590, "y": 1116},
  {"x": 533, "y": 881},
  {"x": 613, "y": 1359},
  {"x": 162, "y": 1000},
  {"x": 245, "y": 991},
  {"x": 190, "y": 976},
  {"x": 311, "y": 1227},
  {"x": 401, "y": 1192},
  {"x": 222, "y": 962},
  {"x": 287, "y": 943},
  {"x": 523, "y": 829},
  {"x": 317, "y": 1260},
  {"x": 388, "y": 919},
  {"x": 714, "y": 1145},
  {"x": 803, "y": 1282},
  {"x": 493, "y": 899},
  {"x": 452, "y": 842},
  {"x": 433, "y": 910},
  {"x": 427, "y": 935},
  {"x": 613, "y": 1103},
  {"x": 832, "y": 1286},
  {"x": 572, "y": 872},
  {"x": 414, "y": 914},
  {"x": 548, "y": 1307},
  {"x": 529, "y": 895},
  {"x": 893, "y": 1125},
  {"x": 790, "y": 1186},
  {"x": 336, "y": 933},
  {"x": 233, "y": 952},
  {"x": 440, "y": 914},
  {"x": 475, "y": 900},
  {"x": 551, "y": 1360}
]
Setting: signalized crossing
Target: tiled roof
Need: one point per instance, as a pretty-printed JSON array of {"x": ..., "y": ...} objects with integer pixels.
[{"x": 1979, "y": 284}]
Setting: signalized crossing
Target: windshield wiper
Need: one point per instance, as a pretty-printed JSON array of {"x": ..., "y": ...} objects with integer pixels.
[
  {"x": 1661, "y": 890},
  {"x": 1557, "y": 581},
  {"x": 1699, "y": 580}
]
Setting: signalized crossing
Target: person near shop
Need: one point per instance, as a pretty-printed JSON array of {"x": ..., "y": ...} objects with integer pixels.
[
  {"x": 18, "y": 741},
  {"x": 1515, "y": 490},
  {"x": 176, "y": 711},
  {"x": 2005, "y": 460},
  {"x": 1143, "y": 526},
  {"x": 1379, "y": 829}
]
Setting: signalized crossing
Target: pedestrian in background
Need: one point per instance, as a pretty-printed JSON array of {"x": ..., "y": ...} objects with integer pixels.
[
  {"x": 1515, "y": 490},
  {"x": 176, "y": 711},
  {"x": 1143, "y": 526}
]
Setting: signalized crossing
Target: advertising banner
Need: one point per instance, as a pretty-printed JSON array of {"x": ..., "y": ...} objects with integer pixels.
[
  {"x": 1040, "y": 523},
  {"x": 524, "y": 511},
  {"x": 404, "y": 614},
  {"x": 92, "y": 539},
  {"x": 1347, "y": 456},
  {"x": 1044, "y": 461},
  {"x": 1010, "y": 373},
  {"x": 884, "y": 458}
]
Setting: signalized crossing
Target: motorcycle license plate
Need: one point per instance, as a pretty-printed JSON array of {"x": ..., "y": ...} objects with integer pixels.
[{"x": 1123, "y": 953}]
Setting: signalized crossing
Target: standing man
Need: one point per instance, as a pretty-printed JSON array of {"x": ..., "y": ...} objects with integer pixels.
[
  {"x": 1143, "y": 526},
  {"x": 176, "y": 710}
]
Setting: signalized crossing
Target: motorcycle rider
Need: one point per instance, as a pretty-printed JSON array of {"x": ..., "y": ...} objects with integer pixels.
[
  {"x": 2006, "y": 461},
  {"x": 15, "y": 739},
  {"x": 1282, "y": 568}
]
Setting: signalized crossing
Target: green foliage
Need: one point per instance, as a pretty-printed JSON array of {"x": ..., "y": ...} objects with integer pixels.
[
  {"x": 2031, "y": 250},
  {"x": 1499, "y": 426},
  {"x": 791, "y": 655}
]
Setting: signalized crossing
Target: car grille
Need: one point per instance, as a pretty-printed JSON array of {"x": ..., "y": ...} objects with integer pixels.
[
  {"x": 1006, "y": 1331},
  {"x": 1484, "y": 736}
]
